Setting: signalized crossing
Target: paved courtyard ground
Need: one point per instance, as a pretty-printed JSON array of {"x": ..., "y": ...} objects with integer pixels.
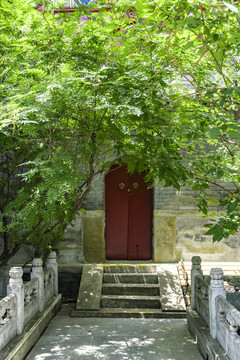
[{"x": 116, "y": 339}]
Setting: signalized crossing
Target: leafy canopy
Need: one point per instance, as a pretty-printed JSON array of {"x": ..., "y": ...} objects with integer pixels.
[
  {"x": 75, "y": 100},
  {"x": 153, "y": 84}
]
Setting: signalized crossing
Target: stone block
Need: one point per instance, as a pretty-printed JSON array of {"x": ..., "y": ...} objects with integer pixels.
[
  {"x": 89, "y": 295},
  {"x": 164, "y": 238},
  {"x": 171, "y": 295},
  {"x": 93, "y": 236}
]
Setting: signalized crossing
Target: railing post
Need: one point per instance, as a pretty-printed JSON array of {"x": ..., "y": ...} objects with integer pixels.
[
  {"x": 52, "y": 263},
  {"x": 216, "y": 288},
  {"x": 196, "y": 271},
  {"x": 37, "y": 272},
  {"x": 16, "y": 287}
]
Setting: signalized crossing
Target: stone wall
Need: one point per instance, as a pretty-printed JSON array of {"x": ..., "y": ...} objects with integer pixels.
[
  {"x": 178, "y": 233},
  {"x": 178, "y": 229}
]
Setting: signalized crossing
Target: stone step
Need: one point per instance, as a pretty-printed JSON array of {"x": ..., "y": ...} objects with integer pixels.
[
  {"x": 133, "y": 302},
  {"x": 130, "y": 289},
  {"x": 129, "y": 313},
  {"x": 126, "y": 268},
  {"x": 137, "y": 278}
]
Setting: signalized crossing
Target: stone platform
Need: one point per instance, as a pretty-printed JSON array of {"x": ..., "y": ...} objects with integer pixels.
[{"x": 114, "y": 339}]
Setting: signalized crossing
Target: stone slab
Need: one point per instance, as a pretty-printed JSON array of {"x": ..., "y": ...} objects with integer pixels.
[
  {"x": 115, "y": 339},
  {"x": 130, "y": 301},
  {"x": 130, "y": 289},
  {"x": 171, "y": 295},
  {"x": 129, "y": 268},
  {"x": 89, "y": 295},
  {"x": 128, "y": 278},
  {"x": 130, "y": 313}
]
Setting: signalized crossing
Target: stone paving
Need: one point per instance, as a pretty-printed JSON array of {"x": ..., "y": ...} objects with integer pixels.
[{"x": 116, "y": 339}]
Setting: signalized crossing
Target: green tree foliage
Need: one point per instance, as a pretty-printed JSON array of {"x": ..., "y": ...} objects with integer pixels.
[
  {"x": 73, "y": 103},
  {"x": 154, "y": 84},
  {"x": 198, "y": 41}
]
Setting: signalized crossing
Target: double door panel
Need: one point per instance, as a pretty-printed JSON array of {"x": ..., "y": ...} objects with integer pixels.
[{"x": 128, "y": 216}]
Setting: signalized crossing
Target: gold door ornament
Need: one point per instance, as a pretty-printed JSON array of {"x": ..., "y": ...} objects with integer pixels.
[
  {"x": 121, "y": 186},
  {"x": 135, "y": 185}
]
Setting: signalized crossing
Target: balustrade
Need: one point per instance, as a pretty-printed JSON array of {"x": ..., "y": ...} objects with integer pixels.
[
  {"x": 23, "y": 301},
  {"x": 222, "y": 317},
  {"x": 7, "y": 309},
  {"x": 202, "y": 305},
  {"x": 30, "y": 291}
]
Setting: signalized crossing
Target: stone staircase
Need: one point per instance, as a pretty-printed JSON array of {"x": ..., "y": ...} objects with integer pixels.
[
  {"x": 130, "y": 287},
  {"x": 128, "y": 290}
]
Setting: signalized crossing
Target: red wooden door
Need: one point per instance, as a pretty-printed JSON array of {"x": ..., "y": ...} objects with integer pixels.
[{"x": 128, "y": 205}]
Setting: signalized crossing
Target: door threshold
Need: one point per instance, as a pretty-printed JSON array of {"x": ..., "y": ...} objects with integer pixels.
[{"x": 128, "y": 262}]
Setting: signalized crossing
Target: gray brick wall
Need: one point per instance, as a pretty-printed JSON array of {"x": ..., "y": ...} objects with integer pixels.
[
  {"x": 96, "y": 198},
  {"x": 165, "y": 198}
]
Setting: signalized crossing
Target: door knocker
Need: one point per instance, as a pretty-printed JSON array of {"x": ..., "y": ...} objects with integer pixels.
[
  {"x": 121, "y": 186},
  {"x": 135, "y": 185}
]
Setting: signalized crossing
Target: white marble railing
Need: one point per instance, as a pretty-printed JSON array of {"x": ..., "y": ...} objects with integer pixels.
[
  {"x": 48, "y": 284},
  {"x": 228, "y": 326},
  {"x": 26, "y": 300},
  {"x": 8, "y": 319},
  {"x": 209, "y": 300},
  {"x": 202, "y": 303},
  {"x": 30, "y": 299}
]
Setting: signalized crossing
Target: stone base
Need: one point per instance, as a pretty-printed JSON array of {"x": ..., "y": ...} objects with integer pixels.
[
  {"x": 69, "y": 276},
  {"x": 209, "y": 348}
]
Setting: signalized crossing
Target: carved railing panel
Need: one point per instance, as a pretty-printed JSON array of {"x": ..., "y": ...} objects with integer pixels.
[
  {"x": 7, "y": 309},
  {"x": 30, "y": 291},
  {"x": 8, "y": 320},
  {"x": 48, "y": 284},
  {"x": 228, "y": 327},
  {"x": 229, "y": 314},
  {"x": 30, "y": 300},
  {"x": 202, "y": 305}
]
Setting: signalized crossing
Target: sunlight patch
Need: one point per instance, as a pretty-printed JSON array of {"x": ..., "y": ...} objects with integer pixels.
[
  {"x": 42, "y": 356},
  {"x": 89, "y": 350}
]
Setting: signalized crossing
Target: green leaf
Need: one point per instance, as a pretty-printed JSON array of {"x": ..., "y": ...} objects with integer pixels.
[
  {"x": 211, "y": 231},
  {"x": 188, "y": 45},
  {"x": 218, "y": 235},
  {"x": 237, "y": 89},
  {"x": 139, "y": 5},
  {"x": 223, "y": 100},
  {"x": 220, "y": 173},
  {"x": 232, "y": 206},
  {"x": 234, "y": 134},
  {"x": 214, "y": 133},
  {"x": 227, "y": 91}
]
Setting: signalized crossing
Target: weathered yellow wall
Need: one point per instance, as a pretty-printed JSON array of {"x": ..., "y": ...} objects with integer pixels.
[
  {"x": 191, "y": 240},
  {"x": 164, "y": 238},
  {"x": 176, "y": 236},
  {"x": 93, "y": 235},
  {"x": 181, "y": 235}
]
